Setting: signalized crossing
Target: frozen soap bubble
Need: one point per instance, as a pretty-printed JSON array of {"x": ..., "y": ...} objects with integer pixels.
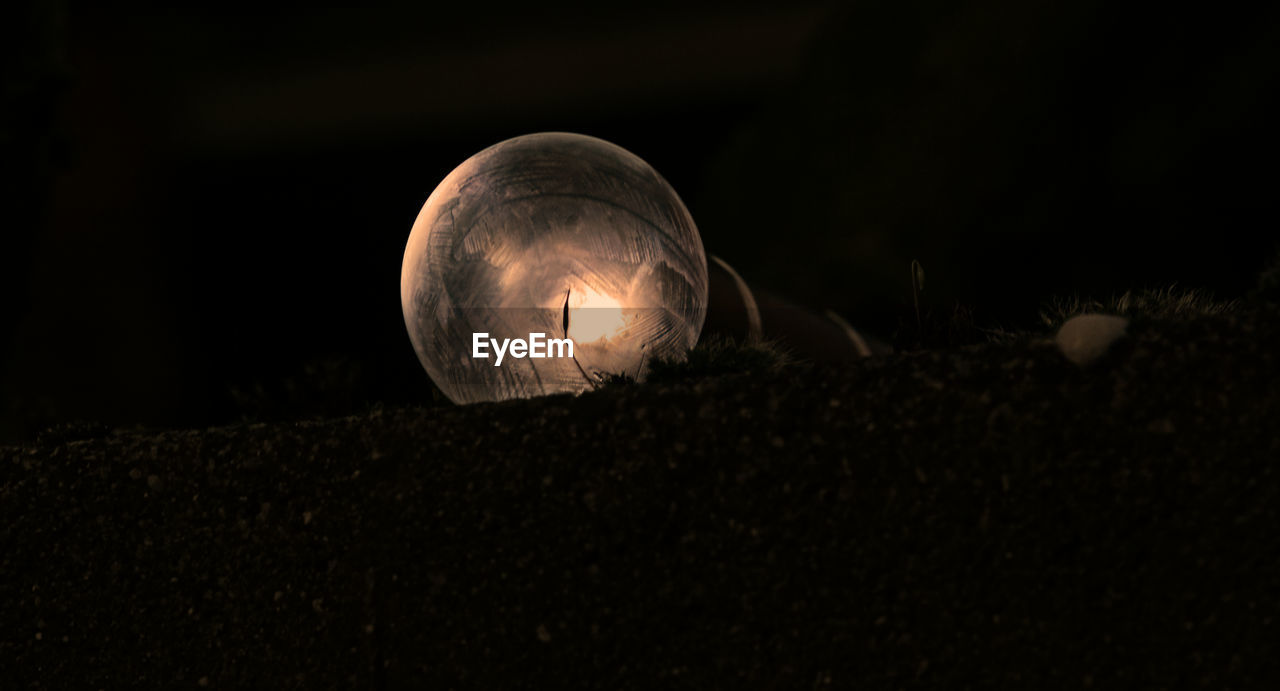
[{"x": 557, "y": 234}]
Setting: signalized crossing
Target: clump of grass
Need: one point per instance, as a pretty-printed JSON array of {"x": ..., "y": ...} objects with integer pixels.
[
  {"x": 1162, "y": 303},
  {"x": 76, "y": 430},
  {"x": 1002, "y": 336},
  {"x": 325, "y": 386},
  {"x": 946, "y": 324},
  {"x": 951, "y": 327},
  {"x": 711, "y": 357},
  {"x": 618, "y": 379}
]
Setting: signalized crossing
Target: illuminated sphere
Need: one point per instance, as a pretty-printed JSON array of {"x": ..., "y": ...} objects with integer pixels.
[{"x": 541, "y": 231}]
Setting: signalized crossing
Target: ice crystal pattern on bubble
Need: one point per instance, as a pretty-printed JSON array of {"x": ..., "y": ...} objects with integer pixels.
[{"x": 552, "y": 233}]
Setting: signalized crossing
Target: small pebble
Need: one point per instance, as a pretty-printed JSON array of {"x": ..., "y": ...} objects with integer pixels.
[{"x": 1086, "y": 337}]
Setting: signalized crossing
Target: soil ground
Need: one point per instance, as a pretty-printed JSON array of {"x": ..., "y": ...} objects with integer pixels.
[{"x": 982, "y": 516}]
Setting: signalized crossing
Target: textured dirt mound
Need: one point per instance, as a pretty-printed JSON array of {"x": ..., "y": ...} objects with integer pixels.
[{"x": 993, "y": 515}]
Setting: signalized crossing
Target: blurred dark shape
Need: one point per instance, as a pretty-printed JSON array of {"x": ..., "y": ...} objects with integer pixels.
[
  {"x": 1268, "y": 287},
  {"x": 746, "y": 315},
  {"x": 1017, "y": 149}
]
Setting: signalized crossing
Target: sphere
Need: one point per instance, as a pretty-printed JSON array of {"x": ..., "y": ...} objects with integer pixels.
[{"x": 550, "y": 237}]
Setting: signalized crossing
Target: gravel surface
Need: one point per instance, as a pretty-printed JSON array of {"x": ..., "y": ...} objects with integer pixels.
[{"x": 992, "y": 516}]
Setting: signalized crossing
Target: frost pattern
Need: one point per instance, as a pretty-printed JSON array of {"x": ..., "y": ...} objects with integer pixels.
[{"x": 536, "y": 226}]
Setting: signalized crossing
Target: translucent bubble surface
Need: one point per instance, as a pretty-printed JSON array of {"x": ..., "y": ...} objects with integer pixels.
[{"x": 557, "y": 234}]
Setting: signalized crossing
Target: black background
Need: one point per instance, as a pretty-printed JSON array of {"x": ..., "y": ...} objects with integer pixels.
[{"x": 211, "y": 201}]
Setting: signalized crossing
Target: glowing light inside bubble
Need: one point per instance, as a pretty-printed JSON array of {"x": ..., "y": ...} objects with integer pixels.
[{"x": 593, "y": 317}]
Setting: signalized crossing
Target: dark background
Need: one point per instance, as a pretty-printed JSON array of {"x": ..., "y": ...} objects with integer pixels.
[{"x": 209, "y": 202}]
